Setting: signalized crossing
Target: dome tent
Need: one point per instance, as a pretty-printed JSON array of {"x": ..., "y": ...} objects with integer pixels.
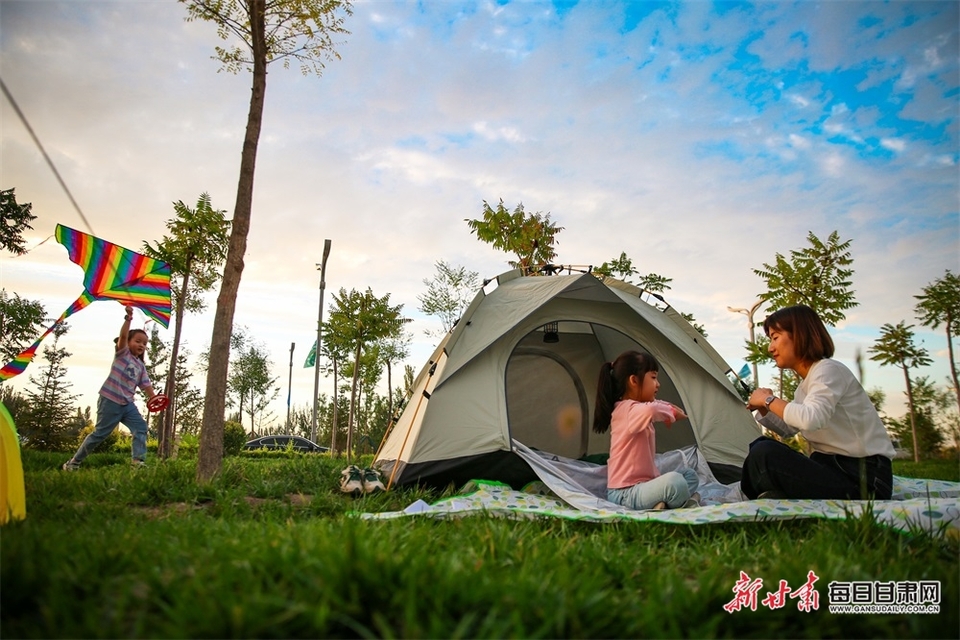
[{"x": 522, "y": 365}]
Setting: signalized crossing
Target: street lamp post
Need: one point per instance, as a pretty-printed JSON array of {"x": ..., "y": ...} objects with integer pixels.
[
  {"x": 750, "y": 325},
  {"x": 316, "y": 358}
]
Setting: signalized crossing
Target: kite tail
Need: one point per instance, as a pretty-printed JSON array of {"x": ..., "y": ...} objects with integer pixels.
[{"x": 19, "y": 364}]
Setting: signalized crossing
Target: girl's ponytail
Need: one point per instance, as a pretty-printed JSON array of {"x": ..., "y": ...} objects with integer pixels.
[
  {"x": 613, "y": 383},
  {"x": 606, "y": 398}
]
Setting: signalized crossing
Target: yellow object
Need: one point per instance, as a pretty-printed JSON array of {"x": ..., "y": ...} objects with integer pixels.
[{"x": 13, "y": 499}]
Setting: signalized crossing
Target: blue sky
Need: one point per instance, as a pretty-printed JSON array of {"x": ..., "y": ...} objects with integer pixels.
[{"x": 700, "y": 138}]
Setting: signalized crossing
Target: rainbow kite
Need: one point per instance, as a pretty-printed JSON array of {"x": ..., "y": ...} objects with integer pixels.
[{"x": 110, "y": 272}]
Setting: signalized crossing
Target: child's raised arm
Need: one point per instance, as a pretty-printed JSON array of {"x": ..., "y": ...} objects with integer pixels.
[{"x": 125, "y": 328}]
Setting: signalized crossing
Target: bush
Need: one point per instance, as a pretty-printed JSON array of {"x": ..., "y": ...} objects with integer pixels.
[
  {"x": 234, "y": 437},
  {"x": 188, "y": 445},
  {"x": 110, "y": 444}
]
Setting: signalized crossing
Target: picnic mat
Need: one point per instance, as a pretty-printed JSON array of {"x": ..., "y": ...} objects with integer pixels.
[{"x": 918, "y": 505}]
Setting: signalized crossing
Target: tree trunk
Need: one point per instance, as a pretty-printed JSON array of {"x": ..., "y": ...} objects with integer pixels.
[
  {"x": 389, "y": 394},
  {"x": 211, "y": 434},
  {"x": 953, "y": 363},
  {"x": 913, "y": 419},
  {"x": 353, "y": 400},
  {"x": 333, "y": 426},
  {"x": 167, "y": 430},
  {"x": 253, "y": 428}
]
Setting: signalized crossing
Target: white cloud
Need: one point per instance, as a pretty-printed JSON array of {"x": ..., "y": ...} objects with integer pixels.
[
  {"x": 833, "y": 164},
  {"x": 510, "y": 134},
  {"x": 799, "y": 142},
  {"x": 893, "y": 144}
]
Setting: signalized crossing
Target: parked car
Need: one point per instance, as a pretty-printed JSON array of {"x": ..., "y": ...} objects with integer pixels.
[
  {"x": 899, "y": 452},
  {"x": 282, "y": 442}
]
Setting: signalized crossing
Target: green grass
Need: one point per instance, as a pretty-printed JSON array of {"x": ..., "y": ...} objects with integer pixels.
[
  {"x": 937, "y": 469},
  {"x": 269, "y": 550}
]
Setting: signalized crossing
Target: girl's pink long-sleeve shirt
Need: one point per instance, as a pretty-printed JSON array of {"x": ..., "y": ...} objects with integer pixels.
[{"x": 633, "y": 441}]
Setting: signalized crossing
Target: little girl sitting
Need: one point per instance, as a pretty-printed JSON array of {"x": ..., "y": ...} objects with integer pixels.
[{"x": 627, "y": 405}]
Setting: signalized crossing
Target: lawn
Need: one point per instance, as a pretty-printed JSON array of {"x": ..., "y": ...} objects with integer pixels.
[{"x": 270, "y": 550}]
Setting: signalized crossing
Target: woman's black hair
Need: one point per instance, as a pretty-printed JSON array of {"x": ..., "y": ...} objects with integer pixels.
[
  {"x": 811, "y": 342},
  {"x": 613, "y": 383}
]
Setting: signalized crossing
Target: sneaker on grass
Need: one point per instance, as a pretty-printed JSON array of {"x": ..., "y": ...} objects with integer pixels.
[
  {"x": 70, "y": 465},
  {"x": 351, "y": 480},
  {"x": 137, "y": 463},
  {"x": 371, "y": 481}
]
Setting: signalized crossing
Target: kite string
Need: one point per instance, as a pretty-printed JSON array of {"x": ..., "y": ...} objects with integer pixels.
[
  {"x": 36, "y": 246},
  {"x": 43, "y": 151}
]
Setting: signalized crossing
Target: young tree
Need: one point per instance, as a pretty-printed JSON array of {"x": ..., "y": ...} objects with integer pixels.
[
  {"x": 81, "y": 420},
  {"x": 448, "y": 294},
  {"x": 16, "y": 220},
  {"x": 531, "y": 237},
  {"x": 333, "y": 354},
  {"x": 250, "y": 380},
  {"x": 195, "y": 250},
  {"x": 156, "y": 360},
  {"x": 363, "y": 320},
  {"x": 47, "y": 423},
  {"x": 21, "y": 321},
  {"x": 940, "y": 304},
  {"x": 817, "y": 276},
  {"x": 16, "y": 403},
  {"x": 188, "y": 398},
  {"x": 302, "y": 30},
  {"x": 895, "y": 346},
  {"x": 393, "y": 349},
  {"x": 930, "y": 403},
  {"x": 622, "y": 268}
]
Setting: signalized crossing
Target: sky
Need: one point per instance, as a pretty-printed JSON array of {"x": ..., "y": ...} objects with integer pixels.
[{"x": 700, "y": 138}]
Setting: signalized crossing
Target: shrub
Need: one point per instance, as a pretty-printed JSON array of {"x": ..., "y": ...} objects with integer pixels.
[
  {"x": 121, "y": 441},
  {"x": 234, "y": 437},
  {"x": 188, "y": 445},
  {"x": 109, "y": 444}
]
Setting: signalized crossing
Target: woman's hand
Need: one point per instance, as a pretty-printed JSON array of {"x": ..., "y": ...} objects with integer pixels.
[{"x": 758, "y": 398}]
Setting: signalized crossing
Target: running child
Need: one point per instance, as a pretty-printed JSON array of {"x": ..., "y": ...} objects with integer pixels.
[{"x": 116, "y": 402}]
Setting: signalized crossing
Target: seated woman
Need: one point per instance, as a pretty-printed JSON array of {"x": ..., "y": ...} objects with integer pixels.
[{"x": 851, "y": 449}]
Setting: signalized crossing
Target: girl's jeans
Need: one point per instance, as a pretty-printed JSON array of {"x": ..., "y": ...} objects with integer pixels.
[
  {"x": 673, "y": 487},
  {"x": 109, "y": 415}
]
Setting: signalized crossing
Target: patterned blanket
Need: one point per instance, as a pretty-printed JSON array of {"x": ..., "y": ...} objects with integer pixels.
[{"x": 920, "y": 506}]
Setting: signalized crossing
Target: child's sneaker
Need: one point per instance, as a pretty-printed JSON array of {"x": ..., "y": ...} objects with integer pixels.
[
  {"x": 70, "y": 465},
  {"x": 137, "y": 464},
  {"x": 351, "y": 480},
  {"x": 371, "y": 481}
]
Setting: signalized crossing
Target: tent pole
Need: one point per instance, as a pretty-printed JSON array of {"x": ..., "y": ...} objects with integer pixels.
[{"x": 413, "y": 420}]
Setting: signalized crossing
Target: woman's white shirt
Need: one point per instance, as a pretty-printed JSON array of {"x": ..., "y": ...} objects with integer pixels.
[{"x": 834, "y": 414}]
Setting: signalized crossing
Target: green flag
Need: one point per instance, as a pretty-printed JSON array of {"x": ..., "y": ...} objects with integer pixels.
[{"x": 311, "y": 357}]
